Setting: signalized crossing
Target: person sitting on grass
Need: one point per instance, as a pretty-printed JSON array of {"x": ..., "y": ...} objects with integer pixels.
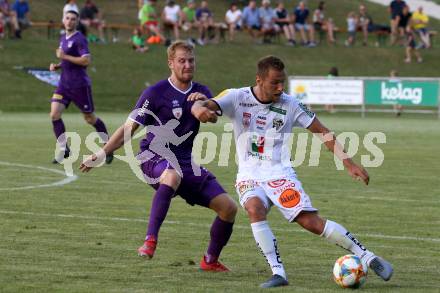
[{"x": 138, "y": 41}]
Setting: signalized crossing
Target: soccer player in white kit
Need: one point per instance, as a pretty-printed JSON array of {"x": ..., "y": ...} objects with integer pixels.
[{"x": 263, "y": 117}]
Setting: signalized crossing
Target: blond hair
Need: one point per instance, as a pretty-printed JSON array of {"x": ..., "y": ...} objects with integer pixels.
[{"x": 171, "y": 51}]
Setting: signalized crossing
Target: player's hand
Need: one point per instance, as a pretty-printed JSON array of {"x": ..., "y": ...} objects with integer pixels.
[
  {"x": 92, "y": 161},
  {"x": 53, "y": 67},
  {"x": 358, "y": 173},
  {"x": 205, "y": 115},
  {"x": 60, "y": 53},
  {"x": 196, "y": 97}
]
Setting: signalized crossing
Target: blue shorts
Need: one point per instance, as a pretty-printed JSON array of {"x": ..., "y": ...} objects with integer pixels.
[
  {"x": 199, "y": 190},
  {"x": 81, "y": 97}
]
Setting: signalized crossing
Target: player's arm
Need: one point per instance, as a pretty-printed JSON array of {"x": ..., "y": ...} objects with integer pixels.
[
  {"x": 84, "y": 60},
  {"x": 206, "y": 111},
  {"x": 54, "y": 66},
  {"x": 123, "y": 134},
  {"x": 335, "y": 147}
]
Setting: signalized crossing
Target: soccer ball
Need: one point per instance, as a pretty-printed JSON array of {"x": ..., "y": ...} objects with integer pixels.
[{"x": 349, "y": 271}]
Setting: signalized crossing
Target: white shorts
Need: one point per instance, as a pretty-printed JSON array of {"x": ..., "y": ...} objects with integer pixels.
[{"x": 286, "y": 194}]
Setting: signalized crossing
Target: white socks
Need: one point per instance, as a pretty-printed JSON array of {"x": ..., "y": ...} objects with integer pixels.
[
  {"x": 267, "y": 243},
  {"x": 338, "y": 235}
]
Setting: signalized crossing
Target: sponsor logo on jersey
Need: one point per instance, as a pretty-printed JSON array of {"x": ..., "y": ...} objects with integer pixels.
[
  {"x": 276, "y": 183},
  {"x": 141, "y": 112},
  {"x": 305, "y": 109},
  {"x": 247, "y": 105},
  {"x": 289, "y": 198},
  {"x": 246, "y": 119},
  {"x": 177, "y": 110},
  {"x": 277, "y": 123},
  {"x": 69, "y": 44},
  {"x": 245, "y": 186},
  {"x": 258, "y": 144},
  {"x": 277, "y": 110}
]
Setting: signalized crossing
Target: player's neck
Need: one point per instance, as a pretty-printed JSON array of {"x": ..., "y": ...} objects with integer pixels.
[
  {"x": 70, "y": 33},
  {"x": 260, "y": 96},
  {"x": 180, "y": 85}
]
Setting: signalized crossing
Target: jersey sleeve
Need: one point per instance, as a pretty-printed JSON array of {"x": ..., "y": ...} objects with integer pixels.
[
  {"x": 226, "y": 101},
  {"x": 143, "y": 111},
  {"x": 302, "y": 116},
  {"x": 83, "y": 47}
]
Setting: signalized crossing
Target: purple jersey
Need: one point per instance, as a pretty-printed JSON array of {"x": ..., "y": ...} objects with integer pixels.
[
  {"x": 72, "y": 75},
  {"x": 162, "y": 103}
]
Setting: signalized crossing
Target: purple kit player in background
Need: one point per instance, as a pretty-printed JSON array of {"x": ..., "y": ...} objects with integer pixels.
[
  {"x": 166, "y": 108},
  {"x": 74, "y": 85}
]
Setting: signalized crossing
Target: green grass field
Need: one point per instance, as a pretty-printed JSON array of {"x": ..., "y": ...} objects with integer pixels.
[{"x": 83, "y": 236}]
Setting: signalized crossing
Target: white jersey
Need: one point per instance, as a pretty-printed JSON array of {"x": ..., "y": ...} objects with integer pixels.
[{"x": 263, "y": 132}]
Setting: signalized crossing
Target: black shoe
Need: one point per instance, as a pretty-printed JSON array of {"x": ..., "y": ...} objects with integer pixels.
[
  {"x": 274, "y": 281},
  {"x": 109, "y": 158},
  {"x": 59, "y": 158}
]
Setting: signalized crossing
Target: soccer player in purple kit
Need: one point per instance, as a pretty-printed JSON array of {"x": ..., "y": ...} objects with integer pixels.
[
  {"x": 74, "y": 85},
  {"x": 165, "y": 107}
]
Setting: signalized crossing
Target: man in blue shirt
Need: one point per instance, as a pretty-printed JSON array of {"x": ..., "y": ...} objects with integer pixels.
[
  {"x": 21, "y": 8},
  {"x": 302, "y": 25},
  {"x": 251, "y": 19}
]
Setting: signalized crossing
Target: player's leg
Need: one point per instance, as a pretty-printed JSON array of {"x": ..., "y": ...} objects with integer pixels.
[
  {"x": 57, "y": 106},
  {"x": 337, "y": 234},
  {"x": 168, "y": 184},
  {"x": 82, "y": 98},
  {"x": 221, "y": 229},
  {"x": 254, "y": 200}
]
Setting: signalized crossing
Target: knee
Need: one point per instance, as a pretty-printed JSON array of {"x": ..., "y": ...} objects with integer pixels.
[
  {"x": 230, "y": 210},
  {"x": 311, "y": 222},
  {"x": 171, "y": 178},
  {"x": 55, "y": 115},
  {"x": 90, "y": 119},
  {"x": 256, "y": 213}
]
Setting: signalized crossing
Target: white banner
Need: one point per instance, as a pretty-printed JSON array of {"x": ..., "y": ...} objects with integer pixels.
[
  {"x": 330, "y": 91},
  {"x": 50, "y": 77}
]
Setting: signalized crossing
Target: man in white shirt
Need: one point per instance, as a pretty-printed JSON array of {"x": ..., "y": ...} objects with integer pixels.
[
  {"x": 171, "y": 17},
  {"x": 233, "y": 20},
  {"x": 263, "y": 117}
]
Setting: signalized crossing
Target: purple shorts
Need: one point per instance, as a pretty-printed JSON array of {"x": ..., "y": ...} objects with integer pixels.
[
  {"x": 81, "y": 97},
  {"x": 199, "y": 190}
]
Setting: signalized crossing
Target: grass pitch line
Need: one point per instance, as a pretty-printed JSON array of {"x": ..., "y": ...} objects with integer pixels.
[
  {"x": 118, "y": 219},
  {"x": 64, "y": 181}
]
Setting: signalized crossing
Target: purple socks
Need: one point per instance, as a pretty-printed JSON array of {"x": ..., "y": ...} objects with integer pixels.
[
  {"x": 100, "y": 127},
  {"x": 220, "y": 233},
  {"x": 159, "y": 208},
  {"x": 59, "y": 129}
]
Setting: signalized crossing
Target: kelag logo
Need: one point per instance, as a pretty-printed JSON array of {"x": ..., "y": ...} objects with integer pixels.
[{"x": 397, "y": 92}]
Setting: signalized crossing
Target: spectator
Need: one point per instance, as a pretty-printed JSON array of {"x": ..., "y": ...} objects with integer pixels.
[
  {"x": 138, "y": 41},
  {"x": 365, "y": 23},
  {"x": 267, "y": 18},
  {"x": 395, "y": 9},
  {"x": 21, "y": 8},
  {"x": 284, "y": 22},
  {"x": 233, "y": 20},
  {"x": 206, "y": 23},
  {"x": 189, "y": 16},
  {"x": 420, "y": 24},
  {"x": 91, "y": 17},
  {"x": 2, "y": 33},
  {"x": 404, "y": 21},
  {"x": 10, "y": 19},
  {"x": 302, "y": 25},
  {"x": 333, "y": 72},
  {"x": 351, "y": 29},
  {"x": 394, "y": 78},
  {"x": 321, "y": 25},
  {"x": 171, "y": 17},
  {"x": 251, "y": 19},
  {"x": 411, "y": 46},
  {"x": 150, "y": 21}
]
